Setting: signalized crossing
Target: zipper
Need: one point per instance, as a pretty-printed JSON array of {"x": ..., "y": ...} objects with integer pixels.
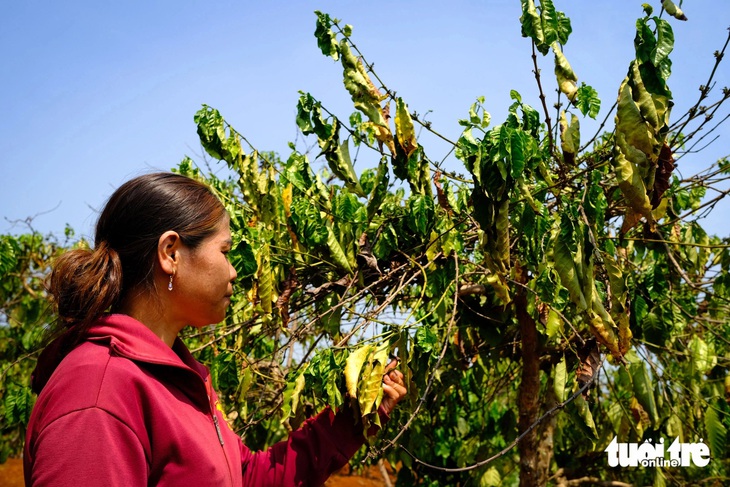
[
  {"x": 217, "y": 428},
  {"x": 218, "y": 432}
]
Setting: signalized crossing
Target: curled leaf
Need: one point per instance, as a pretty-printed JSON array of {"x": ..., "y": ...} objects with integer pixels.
[
  {"x": 590, "y": 360},
  {"x": 404, "y": 130},
  {"x": 326, "y": 39},
  {"x": 567, "y": 80},
  {"x": 663, "y": 174},
  {"x": 673, "y": 10},
  {"x": 365, "y": 96},
  {"x": 569, "y": 137}
]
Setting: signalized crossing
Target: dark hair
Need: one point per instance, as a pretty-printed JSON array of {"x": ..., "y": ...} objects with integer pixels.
[{"x": 86, "y": 283}]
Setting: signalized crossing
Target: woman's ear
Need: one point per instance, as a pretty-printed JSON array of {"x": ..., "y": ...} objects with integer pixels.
[{"x": 168, "y": 251}]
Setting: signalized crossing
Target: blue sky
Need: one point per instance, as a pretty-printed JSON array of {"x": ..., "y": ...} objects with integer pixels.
[{"x": 97, "y": 92}]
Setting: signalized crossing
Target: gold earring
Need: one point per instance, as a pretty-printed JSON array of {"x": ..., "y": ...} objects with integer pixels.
[{"x": 169, "y": 286}]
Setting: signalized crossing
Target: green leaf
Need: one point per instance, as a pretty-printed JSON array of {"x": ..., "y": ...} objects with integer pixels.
[
  {"x": 665, "y": 42},
  {"x": 426, "y": 340},
  {"x": 345, "y": 207},
  {"x": 338, "y": 155},
  {"x": 531, "y": 25},
  {"x": 336, "y": 251},
  {"x": 380, "y": 188},
  {"x": 519, "y": 142},
  {"x": 243, "y": 260},
  {"x": 703, "y": 357},
  {"x": 210, "y": 130},
  {"x": 224, "y": 371},
  {"x": 330, "y": 315},
  {"x": 554, "y": 324},
  {"x": 18, "y": 405},
  {"x": 644, "y": 390},
  {"x": 565, "y": 252},
  {"x": 292, "y": 395},
  {"x": 716, "y": 432},
  {"x": 587, "y": 101},
  {"x": 326, "y": 39},
  {"x": 564, "y": 29},
  {"x": 305, "y": 104},
  {"x": 640, "y": 308},
  {"x": 307, "y": 223},
  {"x": 420, "y": 214},
  {"x": 8, "y": 257},
  {"x": 386, "y": 243},
  {"x": 586, "y": 423}
]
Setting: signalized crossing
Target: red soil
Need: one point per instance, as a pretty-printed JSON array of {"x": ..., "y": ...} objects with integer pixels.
[{"x": 11, "y": 475}]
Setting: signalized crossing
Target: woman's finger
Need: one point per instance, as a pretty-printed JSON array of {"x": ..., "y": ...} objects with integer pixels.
[{"x": 391, "y": 365}]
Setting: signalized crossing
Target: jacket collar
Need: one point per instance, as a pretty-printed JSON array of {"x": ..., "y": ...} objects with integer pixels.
[
  {"x": 133, "y": 340},
  {"x": 128, "y": 338}
]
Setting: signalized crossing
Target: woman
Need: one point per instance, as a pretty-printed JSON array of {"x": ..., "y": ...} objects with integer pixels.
[{"x": 121, "y": 400}]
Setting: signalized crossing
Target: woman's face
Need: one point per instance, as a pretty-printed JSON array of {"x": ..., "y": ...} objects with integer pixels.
[{"x": 203, "y": 283}]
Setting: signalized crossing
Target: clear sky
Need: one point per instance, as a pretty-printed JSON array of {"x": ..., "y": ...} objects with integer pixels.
[{"x": 95, "y": 92}]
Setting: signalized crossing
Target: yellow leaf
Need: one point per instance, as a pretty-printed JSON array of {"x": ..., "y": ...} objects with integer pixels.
[
  {"x": 569, "y": 136},
  {"x": 564, "y": 73},
  {"x": 673, "y": 10},
  {"x": 286, "y": 197},
  {"x": 404, "y": 128},
  {"x": 370, "y": 388},
  {"x": 353, "y": 366}
]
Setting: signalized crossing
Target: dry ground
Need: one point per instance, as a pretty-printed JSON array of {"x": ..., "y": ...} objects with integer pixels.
[{"x": 11, "y": 475}]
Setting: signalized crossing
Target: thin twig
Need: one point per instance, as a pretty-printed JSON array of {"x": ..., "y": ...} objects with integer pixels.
[
  {"x": 444, "y": 348},
  {"x": 514, "y": 443}
]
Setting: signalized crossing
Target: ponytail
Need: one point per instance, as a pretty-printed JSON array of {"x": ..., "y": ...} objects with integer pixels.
[{"x": 84, "y": 284}]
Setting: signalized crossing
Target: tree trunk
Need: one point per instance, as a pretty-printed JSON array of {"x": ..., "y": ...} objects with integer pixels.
[
  {"x": 545, "y": 446},
  {"x": 528, "y": 398}
]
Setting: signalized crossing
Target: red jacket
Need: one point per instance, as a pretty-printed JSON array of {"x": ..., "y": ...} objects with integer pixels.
[{"x": 125, "y": 410}]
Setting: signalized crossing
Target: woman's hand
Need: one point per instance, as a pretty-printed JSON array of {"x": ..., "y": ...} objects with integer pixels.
[{"x": 394, "y": 388}]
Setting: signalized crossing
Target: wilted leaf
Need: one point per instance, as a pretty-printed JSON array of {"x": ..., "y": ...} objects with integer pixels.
[
  {"x": 365, "y": 96},
  {"x": 569, "y": 137},
  {"x": 663, "y": 174},
  {"x": 336, "y": 251},
  {"x": 370, "y": 388},
  {"x": 404, "y": 130},
  {"x": 326, "y": 39},
  {"x": 264, "y": 278},
  {"x": 561, "y": 375},
  {"x": 644, "y": 390},
  {"x": 673, "y": 10},
  {"x": 282, "y": 303},
  {"x": 587, "y": 424},
  {"x": 567, "y": 80},
  {"x": 353, "y": 366},
  {"x": 490, "y": 478},
  {"x": 590, "y": 360}
]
